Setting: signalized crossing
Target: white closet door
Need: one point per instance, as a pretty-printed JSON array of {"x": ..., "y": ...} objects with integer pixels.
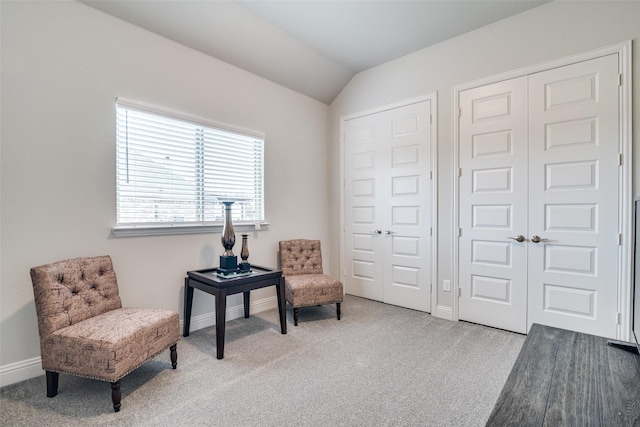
[
  {"x": 407, "y": 207},
  {"x": 363, "y": 194},
  {"x": 539, "y": 157},
  {"x": 573, "y": 197},
  {"x": 388, "y": 206},
  {"x": 493, "y": 205}
]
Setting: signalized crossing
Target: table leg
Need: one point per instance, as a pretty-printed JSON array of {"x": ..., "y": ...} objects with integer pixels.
[
  {"x": 282, "y": 306},
  {"x": 188, "y": 302},
  {"x": 221, "y": 314},
  {"x": 247, "y": 303}
]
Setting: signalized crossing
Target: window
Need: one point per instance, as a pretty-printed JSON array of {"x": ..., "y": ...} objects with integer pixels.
[{"x": 173, "y": 170}]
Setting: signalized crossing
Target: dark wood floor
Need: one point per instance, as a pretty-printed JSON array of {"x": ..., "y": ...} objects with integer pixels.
[{"x": 565, "y": 378}]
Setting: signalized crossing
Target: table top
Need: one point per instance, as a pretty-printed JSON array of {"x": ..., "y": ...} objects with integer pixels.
[
  {"x": 569, "y": 378},
  {"x": 210, "y": 276}
]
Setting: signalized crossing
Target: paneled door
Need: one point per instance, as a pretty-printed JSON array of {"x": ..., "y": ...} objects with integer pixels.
[
  {"x": 539, "y": 200},
  {"x": 387, "y": 234},
  {"x": 493, "y": 205},
  {"x": 574, "y": 197}
]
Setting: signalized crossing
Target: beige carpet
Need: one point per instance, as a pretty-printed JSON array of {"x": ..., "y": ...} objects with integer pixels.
[{"x": 380, "y": 365}]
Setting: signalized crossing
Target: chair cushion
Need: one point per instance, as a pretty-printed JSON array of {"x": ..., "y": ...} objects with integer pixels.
[
  {"x": 312, "y": 289},
  {"x": 109, "y": 346}
]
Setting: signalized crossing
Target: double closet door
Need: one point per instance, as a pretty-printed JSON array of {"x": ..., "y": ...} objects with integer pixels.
[
  {"x": 387, "y": 207},
  {"x": 539, "y": 200}
]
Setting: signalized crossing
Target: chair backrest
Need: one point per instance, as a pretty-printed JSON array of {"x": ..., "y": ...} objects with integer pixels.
[
  {"x": 300, "y": 257},
  {"x": 70, "y": 291}
]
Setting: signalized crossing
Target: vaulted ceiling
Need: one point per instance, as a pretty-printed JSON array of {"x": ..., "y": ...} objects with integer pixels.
[{"x": 310, "y": 46}]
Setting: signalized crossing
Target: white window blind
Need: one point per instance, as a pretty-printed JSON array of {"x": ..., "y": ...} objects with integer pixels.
[{"x": 173, "y": 170}]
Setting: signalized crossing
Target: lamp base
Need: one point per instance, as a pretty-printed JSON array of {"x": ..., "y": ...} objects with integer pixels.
[{"x": 228, "y": 264}]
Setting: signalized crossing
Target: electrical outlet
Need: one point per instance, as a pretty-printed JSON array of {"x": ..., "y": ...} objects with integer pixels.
[{"x": 446, "y": 285}]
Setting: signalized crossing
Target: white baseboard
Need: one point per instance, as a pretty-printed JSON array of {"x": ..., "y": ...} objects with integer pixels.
[
  {"x": 20, "y": 371},
  {"x": 209, "y": 319},
  {"x": 31, "y": 368},
  {"x": 443, "y": 312}
]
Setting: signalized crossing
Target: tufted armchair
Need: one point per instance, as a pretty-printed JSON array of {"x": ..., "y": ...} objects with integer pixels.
[
  {"x": 305, "y": 284},
  {"x": 84, "y": 330}
]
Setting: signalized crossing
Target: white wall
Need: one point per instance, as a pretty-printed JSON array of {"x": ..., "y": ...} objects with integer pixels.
[
  {"x": 63, "y": 65},
  {"x": 548, "y": 32}
]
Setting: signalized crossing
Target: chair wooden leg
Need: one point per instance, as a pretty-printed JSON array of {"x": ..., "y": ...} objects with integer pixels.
[
  {"x": 52, "y": 383},
  {"x": 295, "y": 316},
  {"x": 338, "y": 310},
  {"x": 174, "y": 356},
  {"x": 116, "y": 395}
]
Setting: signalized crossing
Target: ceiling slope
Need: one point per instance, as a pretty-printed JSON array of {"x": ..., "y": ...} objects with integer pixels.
[{"x": 313, "y": 47}]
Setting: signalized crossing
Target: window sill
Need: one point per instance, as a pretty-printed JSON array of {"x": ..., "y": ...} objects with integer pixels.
[{"x": 170, "y": 229}]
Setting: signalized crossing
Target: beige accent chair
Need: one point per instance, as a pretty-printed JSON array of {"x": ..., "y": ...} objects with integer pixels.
[
  {"x": 305, "y": 284},
  {"x": 84, "y": 330}
]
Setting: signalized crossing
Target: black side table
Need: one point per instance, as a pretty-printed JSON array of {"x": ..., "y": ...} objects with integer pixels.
[{"x": 208, "y": 281}]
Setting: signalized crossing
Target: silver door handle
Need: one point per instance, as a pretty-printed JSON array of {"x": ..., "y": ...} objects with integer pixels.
[
  {"x": 518, "y": 238},
  {"x": 538, "y": 239},
  {"x": 378, "y": 231},
  {"x": 387, "y": 232}
]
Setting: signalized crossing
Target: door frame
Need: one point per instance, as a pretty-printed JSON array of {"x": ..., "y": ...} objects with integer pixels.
[
  {"x": 625, "y": 226},
  {"x": 433, "y": 98}
]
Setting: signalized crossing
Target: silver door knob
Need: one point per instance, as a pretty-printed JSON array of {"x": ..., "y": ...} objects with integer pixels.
[
  {"x": 518, "y": 238},
  {"x": 538, "y": 239},
  {"x": 387, "y": 232},
  {"x": 378, "y": 231}
]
